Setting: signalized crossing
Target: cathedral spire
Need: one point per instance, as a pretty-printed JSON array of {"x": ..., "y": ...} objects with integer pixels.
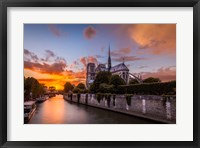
[{"x": 109, "y": 59}]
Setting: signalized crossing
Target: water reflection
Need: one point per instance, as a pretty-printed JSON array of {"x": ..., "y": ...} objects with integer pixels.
[{"x": 58, "y": 111}]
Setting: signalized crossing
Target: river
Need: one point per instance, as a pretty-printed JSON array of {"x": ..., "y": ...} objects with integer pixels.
[{"x": 56, "y": 110}]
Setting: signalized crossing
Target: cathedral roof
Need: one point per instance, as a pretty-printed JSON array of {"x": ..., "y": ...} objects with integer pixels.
[
  {"x": 101, "y": 67},
  {"x": 119, "y": 67}
]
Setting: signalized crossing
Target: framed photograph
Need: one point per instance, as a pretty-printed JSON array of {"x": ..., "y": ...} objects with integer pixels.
[{"x": 115, "y": 73}]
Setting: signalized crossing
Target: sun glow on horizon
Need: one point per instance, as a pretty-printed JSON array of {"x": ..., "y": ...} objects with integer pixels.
[{"x": 55, "y": 80}]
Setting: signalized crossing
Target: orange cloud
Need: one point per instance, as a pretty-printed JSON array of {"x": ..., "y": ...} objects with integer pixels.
[
  {"x": 55, "y": 68},
  {"x": 127, "y": 58},
  {"x": 165, "y": 74},
  {"x": 46, "y": 80},
  {"x": 89, "y": 59},
  {"x": 124, "y": 53},
  {"x": 74, "y": 64},
  {"x": 90, "y": 32},
  {"x": 32, "y": 62},
  {"x": 156, "y": 38},
  {"x": 120, "y": 52},
  {"x": 54, "y": 30},
  {"x": 75, "y": 75}
]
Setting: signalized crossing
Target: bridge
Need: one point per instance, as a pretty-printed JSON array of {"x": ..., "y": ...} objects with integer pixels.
[{"x": 53, "y": 93}]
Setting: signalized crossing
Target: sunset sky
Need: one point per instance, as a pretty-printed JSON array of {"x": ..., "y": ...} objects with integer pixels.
[{"x": 58, "y": 53}]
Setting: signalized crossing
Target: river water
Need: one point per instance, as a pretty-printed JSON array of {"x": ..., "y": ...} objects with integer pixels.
[{"x": 56, "y": 110}]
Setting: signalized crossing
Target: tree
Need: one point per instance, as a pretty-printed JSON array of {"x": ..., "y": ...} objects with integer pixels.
[
  {"x": 41, "y": 89},
  {"x": 102, "y": 77},
  {"x": 116, "y": 80},
  {"x": 105, "y": 88},
  {"x": 151, "y": 80},
  {"x": 76, "y": 90},
  {"x": 133, "y": 81},
  {"x": 92, "y": 88},
  {"x": 68, "y": 87},
  {"x": 81, "y": 86},
  {"x": 32, "y": 88}
]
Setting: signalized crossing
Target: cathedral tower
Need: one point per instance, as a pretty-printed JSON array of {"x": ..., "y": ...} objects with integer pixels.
[
  {"x": 109, "y": 60},
  {"x": 90, "y": 75}
]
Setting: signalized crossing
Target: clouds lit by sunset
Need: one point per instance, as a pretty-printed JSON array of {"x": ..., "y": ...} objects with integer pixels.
[{"x": 58, "y": 53}]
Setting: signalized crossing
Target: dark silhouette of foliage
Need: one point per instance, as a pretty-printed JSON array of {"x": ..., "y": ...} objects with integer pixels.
[
  {"x": 116, "y": 81},
  {"x": 32, "y": 88},
  {"x": 105, "y": 88},
  {"x": 81, "y": 86},
  {"x": 164, "y": 88},
  {"x": 78, "y": 90},
  {"x": 133, "y": 81},
  {"x": 92, "y": 88},
  {"x": 68, "y": 87},
  {"x": 102, "y": 77},
  {"x": 151, "y": 80}
]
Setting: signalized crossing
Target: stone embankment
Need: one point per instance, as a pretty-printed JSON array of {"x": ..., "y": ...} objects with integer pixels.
[{"x": 158, "y": 108}]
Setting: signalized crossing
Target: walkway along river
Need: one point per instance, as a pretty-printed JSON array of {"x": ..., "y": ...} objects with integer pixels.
[{"x": 56, "y": 110}]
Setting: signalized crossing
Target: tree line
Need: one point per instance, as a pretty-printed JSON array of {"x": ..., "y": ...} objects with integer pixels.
[
  {"x": 80, "y": 88},
  {"x": 105, "y": 82},
  {"x": 32, "y": 88}
]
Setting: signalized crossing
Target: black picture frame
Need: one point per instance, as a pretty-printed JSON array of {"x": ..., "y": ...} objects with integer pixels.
[{"x": 4, "y": 4}]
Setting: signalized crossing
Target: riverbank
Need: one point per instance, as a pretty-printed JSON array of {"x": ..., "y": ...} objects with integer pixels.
[{"x": 157, "y": 108}]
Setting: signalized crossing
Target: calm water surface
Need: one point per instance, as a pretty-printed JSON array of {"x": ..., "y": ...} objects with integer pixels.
[{"x": 56, "y": 110}]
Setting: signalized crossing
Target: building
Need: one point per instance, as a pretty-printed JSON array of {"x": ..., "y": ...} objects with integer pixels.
[
  {"x": 120, "y": 69},
  {"x": 90, "y": 75}
]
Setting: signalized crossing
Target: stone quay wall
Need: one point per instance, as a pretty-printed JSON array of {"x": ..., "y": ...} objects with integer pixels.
[{"x": 157, "y": 108}]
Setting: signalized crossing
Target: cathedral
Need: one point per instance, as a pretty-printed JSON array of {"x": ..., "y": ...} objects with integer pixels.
[{"x": 120, "y": 69}]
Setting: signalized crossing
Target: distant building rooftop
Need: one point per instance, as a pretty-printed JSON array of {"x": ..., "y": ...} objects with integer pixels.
[
  {"x": 119, "y": 67},
  {"x": 101, "y": 67}
]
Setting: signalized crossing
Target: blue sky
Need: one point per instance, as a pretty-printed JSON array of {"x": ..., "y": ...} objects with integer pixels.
[{"x": 148, "y": 49}]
